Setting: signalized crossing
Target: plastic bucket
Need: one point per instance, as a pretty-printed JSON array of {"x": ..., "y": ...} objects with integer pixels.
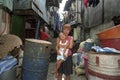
[
  {"x": 112, "y": 43},
  {"x": 110, "y": 37},
  {"x": 110, "y": 33},
  {"x": 103, "y": 66},
  {"x": 36, "y": 59}
]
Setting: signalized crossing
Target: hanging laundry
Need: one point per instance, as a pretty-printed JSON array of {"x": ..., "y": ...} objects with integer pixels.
[
  {"x": 90, "y": 2},
  {"x": 86, "y": 3},
  {"x": 56, "y": 22},
  {"x": 93, "y": 3}
]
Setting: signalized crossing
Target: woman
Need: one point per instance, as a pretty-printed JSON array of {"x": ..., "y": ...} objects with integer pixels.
[{"x": 66, "y": 66}]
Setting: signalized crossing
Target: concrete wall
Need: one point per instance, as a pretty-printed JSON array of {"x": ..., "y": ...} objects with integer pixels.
[
  {"x": 76, "y": 33},
  {"x": 78, "y": 16}
]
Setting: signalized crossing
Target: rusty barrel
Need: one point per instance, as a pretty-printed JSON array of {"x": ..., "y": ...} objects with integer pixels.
[
  {"x": 103, "y": 66},
  {"x": 36, "y": 59}
]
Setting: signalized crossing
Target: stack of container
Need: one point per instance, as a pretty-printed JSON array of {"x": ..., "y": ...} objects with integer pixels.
[{"x": 110, "y": 37}]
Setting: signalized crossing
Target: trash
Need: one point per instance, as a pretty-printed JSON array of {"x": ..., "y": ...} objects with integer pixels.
[
  {"x": 78, "y": 71},
  {"x": 7, "y": 43}
]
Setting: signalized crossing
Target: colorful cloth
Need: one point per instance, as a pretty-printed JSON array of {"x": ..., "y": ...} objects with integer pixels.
[
  {"x": 86, "y": 3},
  {"x": 44, "y": 36}
]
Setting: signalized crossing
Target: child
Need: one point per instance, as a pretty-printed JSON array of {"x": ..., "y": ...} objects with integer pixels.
[
  {"x": 44, "y": 35},
  {"x": 62, "y": 51}
]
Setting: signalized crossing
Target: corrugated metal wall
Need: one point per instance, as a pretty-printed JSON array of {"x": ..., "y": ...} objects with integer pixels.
[{"x": 102, "y": 13}]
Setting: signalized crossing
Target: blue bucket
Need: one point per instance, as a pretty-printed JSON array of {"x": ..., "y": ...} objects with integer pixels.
[{"x": 35, "y": 60}]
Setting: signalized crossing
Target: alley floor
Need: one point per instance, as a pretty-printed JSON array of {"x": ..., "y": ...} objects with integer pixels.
[
  {"x": 51, "y": 67},
  {"x": 51, "y": 77}
]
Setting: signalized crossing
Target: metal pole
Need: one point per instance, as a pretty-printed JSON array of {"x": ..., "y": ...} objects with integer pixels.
[
  {"x": 102, "y": 11},
  {"x": 37, "y": 29}
]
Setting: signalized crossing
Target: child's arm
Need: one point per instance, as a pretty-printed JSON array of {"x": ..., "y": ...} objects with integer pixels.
[
  {"x": 66, "y": 47},
  {"x": 57, "y": 46},
  {"x": 57, "y": 49},
  {"x": 70, "y": 43}
]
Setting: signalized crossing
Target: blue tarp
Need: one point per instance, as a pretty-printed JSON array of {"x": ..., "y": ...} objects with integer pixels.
[
  {"x": 7, "y": 63},
  {"x": 105, "y": 49}
]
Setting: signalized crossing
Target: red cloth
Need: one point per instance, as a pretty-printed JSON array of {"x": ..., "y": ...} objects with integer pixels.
[
  {"x": 44, "y": 36},
  {"x": 86, "y": 3}
]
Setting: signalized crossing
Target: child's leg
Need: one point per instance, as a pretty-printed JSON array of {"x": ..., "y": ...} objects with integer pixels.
[
  {"x": 57, "y": 67},
  {"x": 58, "y": 64}
]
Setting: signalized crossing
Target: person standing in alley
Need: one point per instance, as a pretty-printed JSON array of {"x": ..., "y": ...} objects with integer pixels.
[
  {"x": 62, "y": 51},
  {"x": 66, "y": 66},
  {"x": 44, "y": 35}
]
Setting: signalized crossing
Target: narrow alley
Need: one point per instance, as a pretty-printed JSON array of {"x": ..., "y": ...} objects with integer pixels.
[{"x": 59, "y": 40}]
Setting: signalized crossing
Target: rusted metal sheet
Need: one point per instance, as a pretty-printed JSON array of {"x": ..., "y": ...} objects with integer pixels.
[
  {"x": 22, "y": 4},
  {"x": 40, "y": 10},
  {"x": 7, "y": 3},
  {"x": 27, "y": 4},
  {"x": 102, "y": 13},
  {"x": 24, "y": 12},
  {"x": 4, "y": 22}
]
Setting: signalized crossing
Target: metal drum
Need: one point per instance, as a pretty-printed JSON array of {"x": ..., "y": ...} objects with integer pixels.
[
  {"x": 103, "y": 66},
  {"x": 36, "y": 59}
]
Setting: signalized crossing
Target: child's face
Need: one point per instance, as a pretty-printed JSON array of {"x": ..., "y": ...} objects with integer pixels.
[
  {"x": 41, "y": 30},
  {"x": 62, "y": 36}
]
